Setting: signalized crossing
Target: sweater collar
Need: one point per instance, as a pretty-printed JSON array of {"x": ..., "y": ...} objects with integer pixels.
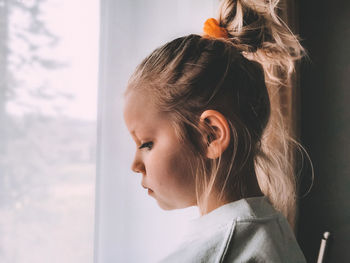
[{"x": 247, "y": 208}]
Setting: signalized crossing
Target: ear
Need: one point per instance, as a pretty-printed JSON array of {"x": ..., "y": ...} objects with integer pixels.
[{"x": 219, "y": 136}]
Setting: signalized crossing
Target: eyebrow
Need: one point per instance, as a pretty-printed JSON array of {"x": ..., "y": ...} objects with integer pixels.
[
  {"x": 134, "y": 136},
  {"x": 133, "y": 133}
]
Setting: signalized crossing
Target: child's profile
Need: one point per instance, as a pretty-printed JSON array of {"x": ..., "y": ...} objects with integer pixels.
[{"x": 199, "y": 110}]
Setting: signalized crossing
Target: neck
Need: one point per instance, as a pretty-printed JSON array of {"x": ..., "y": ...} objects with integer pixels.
[
  {"x": 214, "y": 201},
  {"x": 211, "y": 204}
]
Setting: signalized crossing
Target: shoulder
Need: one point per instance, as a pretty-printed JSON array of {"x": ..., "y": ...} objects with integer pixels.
[
  {"x": 254, "y": 233},
  {"x": 265, "y": 239}
]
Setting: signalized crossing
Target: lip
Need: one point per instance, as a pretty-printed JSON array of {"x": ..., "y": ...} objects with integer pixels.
[{"x": 150, "y": 191}]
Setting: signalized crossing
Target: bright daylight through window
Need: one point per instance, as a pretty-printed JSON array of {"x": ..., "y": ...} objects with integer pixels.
[{"x": 48, "y": 87}]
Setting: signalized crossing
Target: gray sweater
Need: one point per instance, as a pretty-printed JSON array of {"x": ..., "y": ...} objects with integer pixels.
[{"x": 248, "y": 230}]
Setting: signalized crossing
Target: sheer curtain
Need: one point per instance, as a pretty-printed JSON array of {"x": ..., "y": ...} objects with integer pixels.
[{"x": 130, "y": 227}]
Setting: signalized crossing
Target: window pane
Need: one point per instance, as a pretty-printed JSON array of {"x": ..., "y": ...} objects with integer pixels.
[{"x": 47, "y": 129}]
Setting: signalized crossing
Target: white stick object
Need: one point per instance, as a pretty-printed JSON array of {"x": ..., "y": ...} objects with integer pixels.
[{"x": 323, "y": 247}]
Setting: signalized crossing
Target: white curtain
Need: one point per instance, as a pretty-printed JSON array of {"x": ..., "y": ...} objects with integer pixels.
[{"x": 130, "y": 227}]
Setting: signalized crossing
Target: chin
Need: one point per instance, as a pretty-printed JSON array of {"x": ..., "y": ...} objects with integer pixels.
[{"x": 167, "y": 207}]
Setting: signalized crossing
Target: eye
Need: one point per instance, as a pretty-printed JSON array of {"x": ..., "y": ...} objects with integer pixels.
[{"x": 146, "y": 145}]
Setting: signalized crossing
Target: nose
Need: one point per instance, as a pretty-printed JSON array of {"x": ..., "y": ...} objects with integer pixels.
[{"x": 137, "y": 165}]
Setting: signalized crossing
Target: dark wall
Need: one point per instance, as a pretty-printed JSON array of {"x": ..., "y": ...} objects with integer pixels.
[{"x": 324, "y": 26}]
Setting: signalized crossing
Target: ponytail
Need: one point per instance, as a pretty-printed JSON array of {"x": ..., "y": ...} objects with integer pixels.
[{"x": 255, "y": 29}]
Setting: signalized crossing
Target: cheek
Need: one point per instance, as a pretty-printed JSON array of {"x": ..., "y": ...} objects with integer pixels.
[
  {"x": 168, "y": 165},
  {"x": 175, "y": 170}
]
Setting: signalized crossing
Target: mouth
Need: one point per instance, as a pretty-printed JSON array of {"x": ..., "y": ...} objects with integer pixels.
[{"x": 150, "y": 191}]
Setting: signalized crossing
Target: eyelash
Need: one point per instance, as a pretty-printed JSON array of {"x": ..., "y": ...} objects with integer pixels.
[{"x": 146, "y": 145}]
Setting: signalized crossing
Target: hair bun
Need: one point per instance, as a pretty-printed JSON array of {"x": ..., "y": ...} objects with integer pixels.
[{"x": 255, "y": 29}]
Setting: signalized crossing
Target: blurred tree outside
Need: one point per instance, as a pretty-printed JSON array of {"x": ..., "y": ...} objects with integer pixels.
[
  {"x": 15, "y": 60},
  {"x": 47, "y": 158}
]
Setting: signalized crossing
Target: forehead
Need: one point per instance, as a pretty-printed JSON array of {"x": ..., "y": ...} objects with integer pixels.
[{"x": 140, "y": 112}]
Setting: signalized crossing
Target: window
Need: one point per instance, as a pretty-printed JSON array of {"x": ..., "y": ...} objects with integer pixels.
[
  {"x": 48, "y": 129},
  {"x": 49, "y": 148}
]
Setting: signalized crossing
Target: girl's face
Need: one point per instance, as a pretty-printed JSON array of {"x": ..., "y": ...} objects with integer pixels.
[{"x": 160, "y": 156}]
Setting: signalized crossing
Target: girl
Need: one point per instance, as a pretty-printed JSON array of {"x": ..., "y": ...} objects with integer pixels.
[{"x": 199, "y": 111}]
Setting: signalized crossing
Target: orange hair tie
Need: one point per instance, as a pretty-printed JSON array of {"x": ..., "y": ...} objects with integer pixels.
[{"x": 212, "y": 29}]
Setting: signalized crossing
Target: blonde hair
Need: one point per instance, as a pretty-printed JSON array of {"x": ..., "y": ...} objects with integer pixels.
[
  {"x": 262, "y": 36},
  {"x": 234, "y": 76}
]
